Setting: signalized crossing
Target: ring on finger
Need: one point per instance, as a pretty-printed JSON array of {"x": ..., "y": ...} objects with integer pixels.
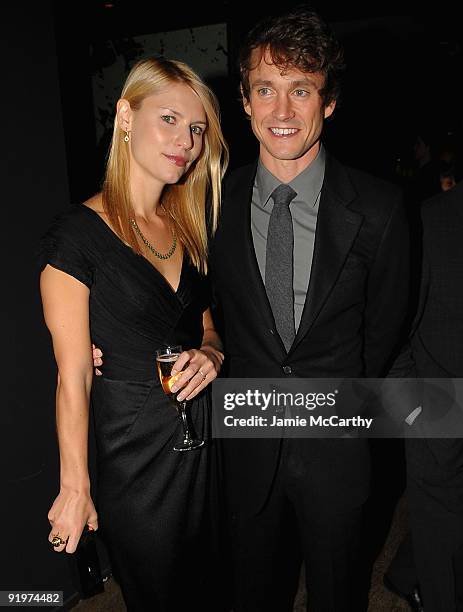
[
  {"x": 57, "y": 540},
  {"x": 204, "y": 376}
]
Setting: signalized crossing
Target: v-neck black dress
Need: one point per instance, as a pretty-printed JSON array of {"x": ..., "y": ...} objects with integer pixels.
[{"x": 152, "y": 502}]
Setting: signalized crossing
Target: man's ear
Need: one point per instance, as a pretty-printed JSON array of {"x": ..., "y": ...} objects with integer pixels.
[
  {"x": 124, "y": 115},
  {"x": 329, "y": 109},
  {"x": 246, "y": 102}
]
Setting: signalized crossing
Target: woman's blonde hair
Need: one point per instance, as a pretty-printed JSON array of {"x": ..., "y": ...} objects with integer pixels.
[{"x": 186, "y": 200}]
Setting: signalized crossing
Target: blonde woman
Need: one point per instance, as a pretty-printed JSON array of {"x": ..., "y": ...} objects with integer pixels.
[{"x": 128, "y": 270}]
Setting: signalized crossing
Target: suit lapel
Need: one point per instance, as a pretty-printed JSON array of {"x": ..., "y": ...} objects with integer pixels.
[
  {"x": 243, "y": 253},
  {"x": 337, "y": 228}
]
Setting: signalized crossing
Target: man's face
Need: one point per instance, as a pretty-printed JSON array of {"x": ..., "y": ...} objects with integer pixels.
[{"x": 287, "y": 114}]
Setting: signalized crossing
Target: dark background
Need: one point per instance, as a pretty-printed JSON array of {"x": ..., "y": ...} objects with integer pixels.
[{"x": 404, "y": 70}]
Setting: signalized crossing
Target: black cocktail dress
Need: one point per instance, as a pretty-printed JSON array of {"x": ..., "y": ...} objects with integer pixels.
[{"x": 154, "y": 504}]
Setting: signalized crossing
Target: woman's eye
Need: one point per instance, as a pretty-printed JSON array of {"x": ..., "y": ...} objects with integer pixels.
[
  {"x": 168, "y": 118},
  {"x": 196, "y": 129}
]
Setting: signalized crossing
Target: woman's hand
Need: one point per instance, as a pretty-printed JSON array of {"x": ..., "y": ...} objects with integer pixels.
[
  {"x": 202, "y": 367},
  {"x": 71, "y": 511}
]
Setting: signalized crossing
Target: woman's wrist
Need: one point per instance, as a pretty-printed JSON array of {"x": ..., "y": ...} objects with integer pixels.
[
  {"x": 79, "y": 487},
  {"x": 214, "y": 355},
  {"x": 213, "y": 351}
]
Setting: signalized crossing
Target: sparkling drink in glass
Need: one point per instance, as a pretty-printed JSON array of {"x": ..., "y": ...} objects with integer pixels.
[{"x": 165, "y": 359}]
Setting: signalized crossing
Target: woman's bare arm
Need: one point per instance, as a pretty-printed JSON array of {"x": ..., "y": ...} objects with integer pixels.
[{"x": 66, "y": 309}]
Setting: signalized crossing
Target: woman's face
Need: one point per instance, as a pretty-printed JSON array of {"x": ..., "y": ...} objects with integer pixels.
[{"x": 166, "y": 134}]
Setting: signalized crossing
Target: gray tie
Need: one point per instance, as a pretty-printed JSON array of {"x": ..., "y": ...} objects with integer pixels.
[{"x": 279, "y": 264}]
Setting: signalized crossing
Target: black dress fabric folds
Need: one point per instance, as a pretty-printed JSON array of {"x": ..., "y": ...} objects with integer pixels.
[{"x": 154, "y": 504}]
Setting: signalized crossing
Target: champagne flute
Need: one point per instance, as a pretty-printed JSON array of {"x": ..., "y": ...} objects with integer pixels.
[{"x": 165, "y": 359}]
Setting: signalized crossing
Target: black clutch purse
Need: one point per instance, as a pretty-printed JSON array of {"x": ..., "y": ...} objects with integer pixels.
[{"x": 86, "y": 566}]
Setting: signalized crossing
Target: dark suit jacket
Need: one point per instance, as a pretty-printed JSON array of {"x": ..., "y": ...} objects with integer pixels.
[
  {"x": 350, "y": 325},
  {"x": 437, "y": 340}
]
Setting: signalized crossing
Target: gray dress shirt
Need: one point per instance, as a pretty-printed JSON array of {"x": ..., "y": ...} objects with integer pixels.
[{"x": 304, "y": 211}]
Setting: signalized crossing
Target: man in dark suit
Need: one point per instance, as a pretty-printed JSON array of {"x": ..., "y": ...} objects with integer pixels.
[
  {"x": 431, "y": 556},
  {"x": 319, "y": 291}
]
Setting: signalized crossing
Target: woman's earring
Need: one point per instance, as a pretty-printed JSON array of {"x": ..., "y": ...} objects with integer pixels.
[{"x": 126, "y": 137}]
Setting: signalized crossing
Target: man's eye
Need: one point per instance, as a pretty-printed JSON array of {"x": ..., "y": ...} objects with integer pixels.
[
  {"x": 263, "y": 91},
  {"x": 301, "y": 93},
  {"x": 196, "y": 129},
  {"x": 168, "y": 118}
]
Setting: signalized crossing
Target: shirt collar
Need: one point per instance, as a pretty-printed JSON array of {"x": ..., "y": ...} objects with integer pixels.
[{"x": 307, "y": 184}]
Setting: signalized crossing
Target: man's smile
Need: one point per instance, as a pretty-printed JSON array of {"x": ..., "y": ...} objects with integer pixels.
[{"x": 283, "y": 131}]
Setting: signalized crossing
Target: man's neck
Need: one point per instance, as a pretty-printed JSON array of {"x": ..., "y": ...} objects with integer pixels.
[{"x": 285, "y": 170}]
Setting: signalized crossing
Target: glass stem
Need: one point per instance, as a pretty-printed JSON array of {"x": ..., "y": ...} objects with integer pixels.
[{"x": 186, "y": 431}]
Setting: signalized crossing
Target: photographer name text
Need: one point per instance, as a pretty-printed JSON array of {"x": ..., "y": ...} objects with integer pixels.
[{"x": 311, "y": 421}]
